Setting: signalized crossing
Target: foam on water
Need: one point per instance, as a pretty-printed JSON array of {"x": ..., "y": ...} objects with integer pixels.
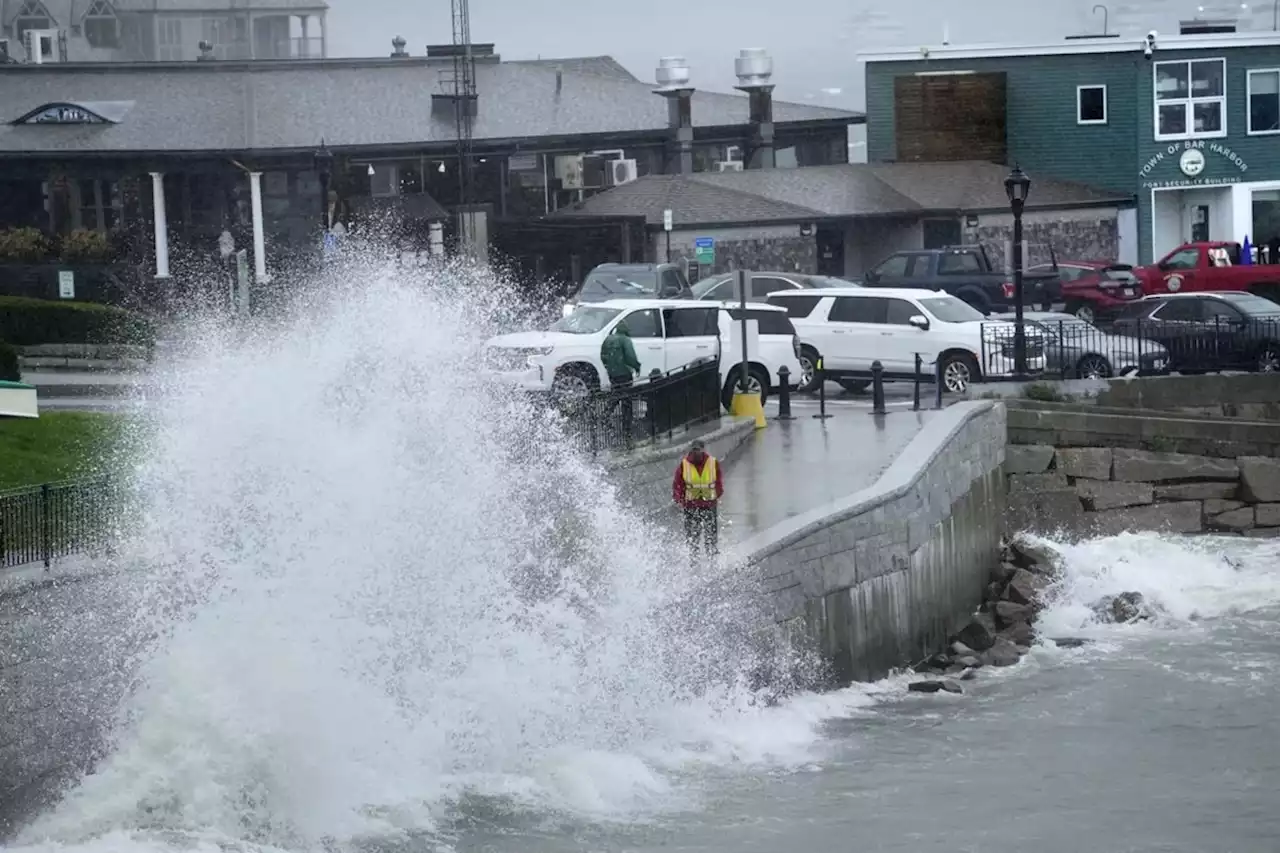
[
  {"x": 1185, "y": 579},
  {"x": 372, "y": 586}
]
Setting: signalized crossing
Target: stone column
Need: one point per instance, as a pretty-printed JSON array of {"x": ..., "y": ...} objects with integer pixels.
[
  {"x": 259, "y": 238},
  {"x": 161, "y": 221}
]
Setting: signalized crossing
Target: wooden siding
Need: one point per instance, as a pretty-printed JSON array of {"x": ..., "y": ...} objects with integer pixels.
[{"x": 950, "y": 117}]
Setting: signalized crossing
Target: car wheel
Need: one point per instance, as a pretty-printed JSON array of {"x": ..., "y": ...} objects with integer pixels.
[
  {"x": 808, "y": 369},
  {"x": 757, "y": 383},
  {"x": 959, "y": 371},
  {"x": 574, "y": 383},
  {"x": 854, "y": 386},
  {"x": 1083, "y": 311},
  {"x": 1093, "y": 367},
  {"x": 1268, "y": 359}
]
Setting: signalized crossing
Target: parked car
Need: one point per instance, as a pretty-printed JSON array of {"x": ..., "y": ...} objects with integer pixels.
[
  {"x": 631, "y": 281},
  {"x": 1209, "y": 266},
  {"x": 1095, "y": 291},
  {"x": 1208, "y": 331},
  {"x": 724, "y": 286},
  {"x": 1077, "y": 350},
  {"x": 966, "y": 273},
  {"x": 849, "y": 328},
  {"x": 668, "y": 334}
]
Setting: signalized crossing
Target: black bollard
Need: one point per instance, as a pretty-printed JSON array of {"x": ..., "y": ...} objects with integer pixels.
[
  {"x": 877, "y": 388},
  {"x": 915, "y": 391},
  {"x": 937, "y": 384},
  {"x": 821, "y": 376},
  {"x": 784, "y": 394}
]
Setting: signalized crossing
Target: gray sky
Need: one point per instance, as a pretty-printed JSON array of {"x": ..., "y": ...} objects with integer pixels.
[{"x": 814, "y": 43}]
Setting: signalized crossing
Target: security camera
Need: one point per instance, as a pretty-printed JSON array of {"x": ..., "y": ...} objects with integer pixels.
[
  {"x": 1146, "y": 50},
  {"x": 1149, "y": 46}
]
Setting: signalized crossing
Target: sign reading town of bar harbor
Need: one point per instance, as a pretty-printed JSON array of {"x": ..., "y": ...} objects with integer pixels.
[{"x": 1191, "y": 167}]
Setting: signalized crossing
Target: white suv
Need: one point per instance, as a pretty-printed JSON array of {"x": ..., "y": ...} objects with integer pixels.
[
  {"x": 668, "y": 334},
  {"x": 849, "y": 328}
]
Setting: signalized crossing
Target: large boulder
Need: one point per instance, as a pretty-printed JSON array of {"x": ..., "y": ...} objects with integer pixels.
[
  {"x": 1146, "y": 466},
  {"x": 1207, "y": 490},
  {"x": 1046, "y": 511},
  {"x": 1025, "y": 587},
  {"x": 1003, "y": 653},
  {"x": 1235, "y": 519},
  {"x": 1267, "y": 515},
  {"x": 1048, "y": 481},
  {"x": 1008, "y": 613},
  {"x": 1123, "y": 608},
  {"x": 1019, "y": 633},
  {"x": 1086, "y": 463},
  {"x": 1035, "y": 555},
  {"x": 1176, "y": 517},
  {"x": 1259, "y": 479},
  {"x": 1105, "y": 494},
  {"x": 978, "y": 635},
  {"x": 1027, "y": 458}
]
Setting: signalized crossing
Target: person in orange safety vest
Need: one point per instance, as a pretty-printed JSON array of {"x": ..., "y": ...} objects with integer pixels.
[{"x": 696, "y": 489}]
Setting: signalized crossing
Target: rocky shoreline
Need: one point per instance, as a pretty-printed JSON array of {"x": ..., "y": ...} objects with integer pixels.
[{"x": 1003, "y": 629}]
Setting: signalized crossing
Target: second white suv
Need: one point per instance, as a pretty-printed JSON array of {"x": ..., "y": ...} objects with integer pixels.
[
  {"x": 668, "y": 334},
  {"x": 850, "y": 328}
]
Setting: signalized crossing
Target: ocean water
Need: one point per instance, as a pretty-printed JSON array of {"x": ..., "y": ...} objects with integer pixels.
[{"x": 384, "y": 607}]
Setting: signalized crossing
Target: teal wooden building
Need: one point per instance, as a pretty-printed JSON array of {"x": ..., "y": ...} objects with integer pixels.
[{"x": 1190, "y": 125}]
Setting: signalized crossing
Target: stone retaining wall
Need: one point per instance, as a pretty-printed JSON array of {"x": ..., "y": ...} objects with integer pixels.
[
  {"x": 84, "y": 357},
  {"x": 1254, "y": 396},
  {"x": 883, "y": 577}
]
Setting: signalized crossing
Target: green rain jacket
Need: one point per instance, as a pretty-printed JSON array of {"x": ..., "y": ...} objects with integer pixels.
[{"x": 619, "y": 354}]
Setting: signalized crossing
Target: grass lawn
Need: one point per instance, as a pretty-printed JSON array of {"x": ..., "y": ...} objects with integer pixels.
[{"x": 55, "y": 446}]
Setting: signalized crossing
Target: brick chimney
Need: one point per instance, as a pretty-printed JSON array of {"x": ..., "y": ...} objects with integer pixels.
[
  {"x": 754, "y": 68},
  {"x": 673, "y": 84}
]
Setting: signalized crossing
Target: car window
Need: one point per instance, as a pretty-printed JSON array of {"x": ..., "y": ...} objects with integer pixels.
[
  {"x": 1179, "y": 310},
  {"x": 900, "y": 312},
  {"x": 644, "y": 324},
  {"x": 1216, "y": 311},
  {"x": 896, "y": 265},
  {"x": 796, "y": 305},
  {"x": 770, "y": 322},
  {"x": 958, "y": 263},
  {"x": 585, "y": 321},
  {"x": 858, "y": 309},
  {"x": 1139, "y": 310},
  {"x": 671, "y": 282},
  {"x": 690, "y": 322},
  {"x": 1068, "y": 273},
  {"x": 703, "y": 288},
  {"x": 1185, "y": 259},
  {"x": 763, "y": 285},
  {"x": 723, "y": 291},
  {"x": 1253, "y": 305},
  {"x": 828, "y": 281},
  {"x": 625, "y": 283},
  {"x": 949, "y": 309}
]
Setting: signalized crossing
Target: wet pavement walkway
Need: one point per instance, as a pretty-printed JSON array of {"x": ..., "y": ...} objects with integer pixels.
[{"x": 792, "y": 467}]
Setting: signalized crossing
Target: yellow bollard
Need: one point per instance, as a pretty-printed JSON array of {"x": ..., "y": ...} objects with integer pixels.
[{"x": 748, "y": 406}]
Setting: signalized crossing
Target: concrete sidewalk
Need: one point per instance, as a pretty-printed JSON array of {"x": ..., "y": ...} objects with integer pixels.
[{"x": 792, "y": 467}]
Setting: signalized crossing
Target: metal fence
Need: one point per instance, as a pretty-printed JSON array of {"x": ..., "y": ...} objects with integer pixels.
[
  {"x": 1073, "y": 349},
  {"x": 647, "y": 411},
  {"x": 56, "y": 520}
]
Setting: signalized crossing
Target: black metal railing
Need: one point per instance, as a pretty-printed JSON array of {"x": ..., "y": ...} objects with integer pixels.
[
  {"x": 40, "y": 524},
  {"x": 649, "y": 410},
  {"x": 1073, "y": 349}
]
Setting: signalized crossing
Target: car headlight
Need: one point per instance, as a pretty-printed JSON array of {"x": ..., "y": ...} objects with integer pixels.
[{"x": 567, "y": 309}]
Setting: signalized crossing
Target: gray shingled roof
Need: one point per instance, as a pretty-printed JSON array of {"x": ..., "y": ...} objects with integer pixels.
[
  {"x": 817, "y": 192},
  {"x": 606, "y": 65},
  {"x": 226, "y": 106}
]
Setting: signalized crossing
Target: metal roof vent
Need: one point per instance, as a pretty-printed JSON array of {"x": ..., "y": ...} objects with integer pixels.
[
  {"x": 754, "y": 67},
  {"x": 206, "y": 50},
  {"x": 672, "y": 74},
  {"x": 397, "y": 46}
]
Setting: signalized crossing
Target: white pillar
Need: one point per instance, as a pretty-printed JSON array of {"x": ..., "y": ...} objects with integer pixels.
[
  {"x": 305, "y": 46},
  {"x": 161, "y": 225},
  {"x": 259, "y": 239}
]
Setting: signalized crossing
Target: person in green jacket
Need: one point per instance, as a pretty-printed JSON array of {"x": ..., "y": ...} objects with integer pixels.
[{"x": 619, "y": 356}]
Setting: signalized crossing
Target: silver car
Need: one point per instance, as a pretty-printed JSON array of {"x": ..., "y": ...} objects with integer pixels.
[
  {"x": 723, "y": 287},
  {"x": 1075, "y": 349}
]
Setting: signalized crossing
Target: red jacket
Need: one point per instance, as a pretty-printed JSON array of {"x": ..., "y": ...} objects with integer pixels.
[{"x": 677, "y": 484}]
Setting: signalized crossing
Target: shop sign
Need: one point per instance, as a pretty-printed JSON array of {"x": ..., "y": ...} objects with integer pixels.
[{"x": 1191, "y": 158}]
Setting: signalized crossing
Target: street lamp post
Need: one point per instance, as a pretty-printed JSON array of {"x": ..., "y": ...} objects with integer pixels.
[
  {"x": 324, "y": 167},
  {"x": 1016, "y": 186}
]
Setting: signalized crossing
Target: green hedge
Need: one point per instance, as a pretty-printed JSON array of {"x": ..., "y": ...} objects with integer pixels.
[
  {"x": 9, "y": 371},
  {"x": 28, "y": 322}
]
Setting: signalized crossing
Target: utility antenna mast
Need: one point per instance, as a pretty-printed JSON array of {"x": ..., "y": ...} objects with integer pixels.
[{"x": 463, "y": 93}]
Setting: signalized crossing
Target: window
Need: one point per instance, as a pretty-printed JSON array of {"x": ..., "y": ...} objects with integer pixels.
[
  {"x": 1184, "y": 259},
  {"x": 958, "y": 263},
  {"x": 585, "y": 321},
  {"x": 690, "y": 322},
  {"x": 100, "y": 26},
  {"x": 770, "y": 322},
  {"x": 949, "y": 309},
  {"x": 1190, "y": 99},
  {"x": 644, "y": 324},
  {"x": 169, "y": 40},
  {"x": 671, "y": 283},
  {"x": 1091, "y": 104},
  {"x": 797, "y": 306},
  {"x": 1217, "y": 311},
  {"x": 32, "y": 15},
  {"x": 1264, "y": 100},
  {"x": 1178, "y": 311},
  {"x": 724, "y": 290},
  {"x": 763, "y": 285},
  {"x": 97, "y": 205},
  {"x": 900, "y": 312},
  {"x": 627, "y": 283},
  {"x": 894, "y": 266},
  {"x": 858, "y": 309}
]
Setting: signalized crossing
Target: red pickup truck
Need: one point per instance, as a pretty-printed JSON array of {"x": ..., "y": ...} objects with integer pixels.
[{"x": 1212, "y": 266}]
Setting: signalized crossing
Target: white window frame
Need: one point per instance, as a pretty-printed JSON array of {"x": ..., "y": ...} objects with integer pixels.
[
  {"x": 1248, "y": 101},
  {"x": 1188, "y": 103},
  {"x": 1105, "y": 106}
]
